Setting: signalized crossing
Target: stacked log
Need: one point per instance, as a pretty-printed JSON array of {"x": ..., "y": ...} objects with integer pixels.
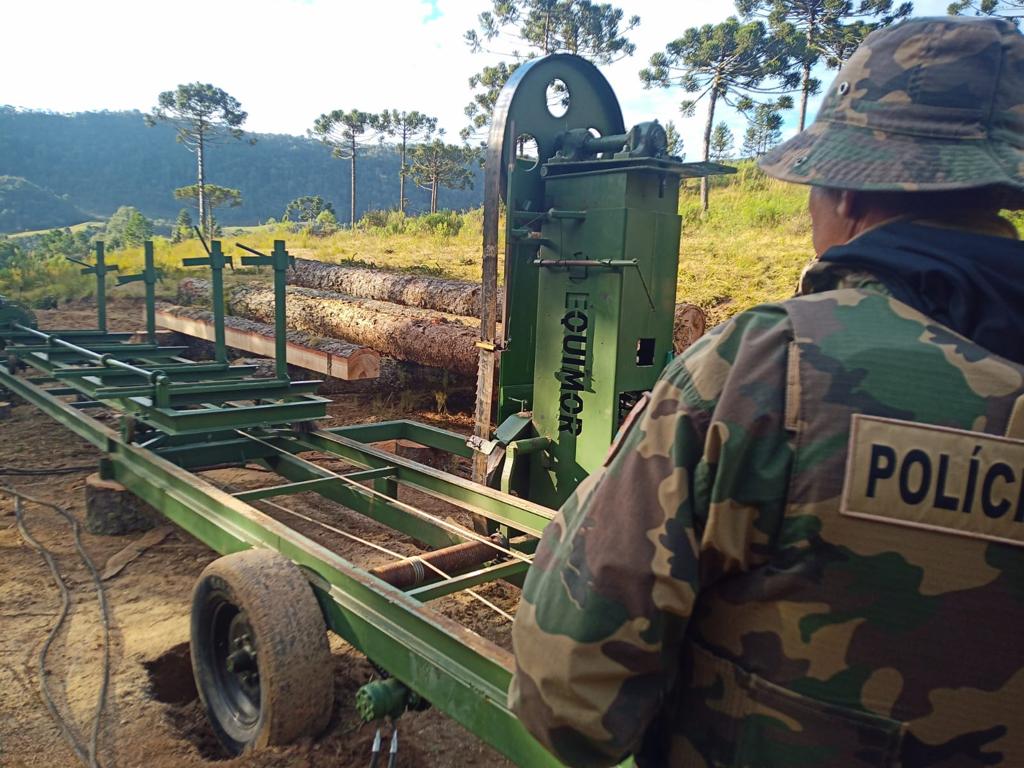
[
  {"x": 194, "y": 292},
  {"x": 404, "y": 333},
  {"x": 688, "y": 325},
  {"x": 455, "y": 297}
]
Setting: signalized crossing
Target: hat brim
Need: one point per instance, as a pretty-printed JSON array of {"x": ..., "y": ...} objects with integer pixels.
[{"x": 844, "y": 156}]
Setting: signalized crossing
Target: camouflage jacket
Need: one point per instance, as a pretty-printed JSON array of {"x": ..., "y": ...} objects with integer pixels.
[{"x": 703, "y": 600}]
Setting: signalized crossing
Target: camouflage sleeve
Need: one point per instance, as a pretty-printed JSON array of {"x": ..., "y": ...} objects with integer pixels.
[{"x": 694, "y": 491}]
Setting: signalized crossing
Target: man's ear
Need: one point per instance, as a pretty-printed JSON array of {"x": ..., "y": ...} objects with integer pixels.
[{"x": 848, "y": 204}]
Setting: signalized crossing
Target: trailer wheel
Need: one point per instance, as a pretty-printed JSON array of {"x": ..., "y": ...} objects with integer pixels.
[{"x": 259, "y": 651}]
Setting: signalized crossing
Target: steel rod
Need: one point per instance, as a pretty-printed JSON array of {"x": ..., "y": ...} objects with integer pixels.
[
  {"x": 149, "y": 272},
  {"x": 217, "y": 285},
  {"x": 101, "y": 288},
  {"x": 412, "y": 571},
  {"x": 103, "y": 359}
]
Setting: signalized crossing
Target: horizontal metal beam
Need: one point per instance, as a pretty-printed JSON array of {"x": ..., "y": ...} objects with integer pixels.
[
  {"x": 304, "y": 486},
  {"x": 467, "y": 580},
  {"x": 375, "y": 506},
  {"x": 403, "y": 429},
  {"x": 517, "y": 514}
]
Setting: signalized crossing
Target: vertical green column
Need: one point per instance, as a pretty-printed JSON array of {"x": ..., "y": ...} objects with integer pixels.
[
  {"x": 217, "y": 284},
  {"x": 281, "y": 262},
  {"x": 149, "y": 278},
  {"x": 101, "y": 288}
]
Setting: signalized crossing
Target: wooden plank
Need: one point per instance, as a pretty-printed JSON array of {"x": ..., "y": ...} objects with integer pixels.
[{"x": 365, "y": 364}]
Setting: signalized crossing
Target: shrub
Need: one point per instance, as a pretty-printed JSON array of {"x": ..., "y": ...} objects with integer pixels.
[
  {"x": 326, "y": 224},
  {"x": 373, "y": 220},
  {"x": 443, "y": 223}
]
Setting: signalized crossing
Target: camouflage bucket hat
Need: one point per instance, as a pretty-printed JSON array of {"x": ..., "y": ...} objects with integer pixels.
[{"x": 930, "y": 104}]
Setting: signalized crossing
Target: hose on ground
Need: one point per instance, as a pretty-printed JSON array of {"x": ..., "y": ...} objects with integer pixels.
[{"x": 87, "y": 756}]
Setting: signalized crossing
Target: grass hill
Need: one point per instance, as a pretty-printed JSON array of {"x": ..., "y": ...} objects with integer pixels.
[{"x": 25, "y": 205}]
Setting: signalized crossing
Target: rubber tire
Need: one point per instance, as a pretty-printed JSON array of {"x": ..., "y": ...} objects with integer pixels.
[{"x": 293, "y": 655}]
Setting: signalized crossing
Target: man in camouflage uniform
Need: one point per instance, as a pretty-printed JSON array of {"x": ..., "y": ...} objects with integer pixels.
[{"x": 808, "y": 548}]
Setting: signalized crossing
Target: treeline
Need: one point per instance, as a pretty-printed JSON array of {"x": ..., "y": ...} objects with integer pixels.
[{"x": 98, "y": 161}]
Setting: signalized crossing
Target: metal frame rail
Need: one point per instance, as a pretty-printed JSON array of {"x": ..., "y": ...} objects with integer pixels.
[
  {"x": 461, "y": 673},
  {"x": 192, "y": 418}
]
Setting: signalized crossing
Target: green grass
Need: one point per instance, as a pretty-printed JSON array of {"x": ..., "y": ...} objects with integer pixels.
[{"x": 749, "y": 248}]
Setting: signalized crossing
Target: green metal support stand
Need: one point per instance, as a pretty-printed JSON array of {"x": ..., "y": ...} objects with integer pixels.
[
  {"x": 280, "y": 260},
  {"x": 149, "y": 276},
  {"x": 100, "y": 269},
  {"x": 215, "y": 260}
]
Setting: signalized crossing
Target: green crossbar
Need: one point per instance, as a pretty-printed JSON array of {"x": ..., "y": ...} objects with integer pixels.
[{"x": 311, "y": 485}]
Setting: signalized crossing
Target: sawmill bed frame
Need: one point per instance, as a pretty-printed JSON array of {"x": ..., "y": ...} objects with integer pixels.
[{"x": 178, "y": 417}]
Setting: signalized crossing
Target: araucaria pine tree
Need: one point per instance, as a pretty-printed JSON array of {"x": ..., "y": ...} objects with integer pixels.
[
  {"x": 721, "y": 63},
  {"x": 346, "y": 133},
  {"x": 201, "y": 114},
  {"x": 518, "y": 30},
  {"x": 408, "y": 128},
  {"x": 826, "y": 31}
]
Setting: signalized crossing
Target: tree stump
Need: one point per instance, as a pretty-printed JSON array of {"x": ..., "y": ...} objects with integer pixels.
[
  {"x": 689, "y": 324},
  {"x": 112, "y": 510}
]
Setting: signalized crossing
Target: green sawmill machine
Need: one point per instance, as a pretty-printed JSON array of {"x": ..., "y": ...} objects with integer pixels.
[
  {"x": 591, "y": 251},
  {"x": 591, "y": 256}
]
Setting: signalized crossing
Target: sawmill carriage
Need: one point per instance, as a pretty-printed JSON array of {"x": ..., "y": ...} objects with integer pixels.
[{"x": 591, "y": 252}]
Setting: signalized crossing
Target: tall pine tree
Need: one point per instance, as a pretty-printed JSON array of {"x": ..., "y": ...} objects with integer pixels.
[
  {"x": 764, "y": 124},
  {"x": 408, "y": 128},
  {"x": 437, "y": 164},
  {"x": 347, "y": 133},
  {"x": 720, "y": 63},
  {"x": 201, "y": 114},
  {"x": 522, "y": 29},
  {"x": 722, "y": 145},
  {"x": 821, "y": 31}
]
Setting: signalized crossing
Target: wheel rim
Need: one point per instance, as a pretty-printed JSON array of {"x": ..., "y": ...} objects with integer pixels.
[{"x": 232, "y": 657}]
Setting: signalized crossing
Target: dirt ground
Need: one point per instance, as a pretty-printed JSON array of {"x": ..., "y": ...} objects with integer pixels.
[{"x": 153, "y": 716}]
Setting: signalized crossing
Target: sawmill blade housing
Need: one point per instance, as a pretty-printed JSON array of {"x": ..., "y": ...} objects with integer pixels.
[{"x": 592, "y": 233}]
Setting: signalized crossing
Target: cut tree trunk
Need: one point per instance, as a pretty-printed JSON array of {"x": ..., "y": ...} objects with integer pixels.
[
  {"x": 455, "y": 297},
  {"x": 193, "y": 292},
  {"x": 399, "y": 327},
  {"x": 689, "y": 324},
  {"x": 404, "y": 333}
]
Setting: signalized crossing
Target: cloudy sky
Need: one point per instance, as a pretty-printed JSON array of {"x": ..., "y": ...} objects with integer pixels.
[{"x": 287, "y": 61}]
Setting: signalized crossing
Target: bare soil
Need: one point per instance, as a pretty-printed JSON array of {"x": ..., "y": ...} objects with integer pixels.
[{"x": 153, "y": 716}]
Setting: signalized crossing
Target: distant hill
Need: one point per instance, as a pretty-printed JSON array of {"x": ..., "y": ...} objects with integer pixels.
[
  {"x": 98, "y": 161},
  {"x": 24, "y": 205}
]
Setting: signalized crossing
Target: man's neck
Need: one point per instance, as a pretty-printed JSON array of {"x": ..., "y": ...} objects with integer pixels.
[{"x": 982, "y": 223}]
